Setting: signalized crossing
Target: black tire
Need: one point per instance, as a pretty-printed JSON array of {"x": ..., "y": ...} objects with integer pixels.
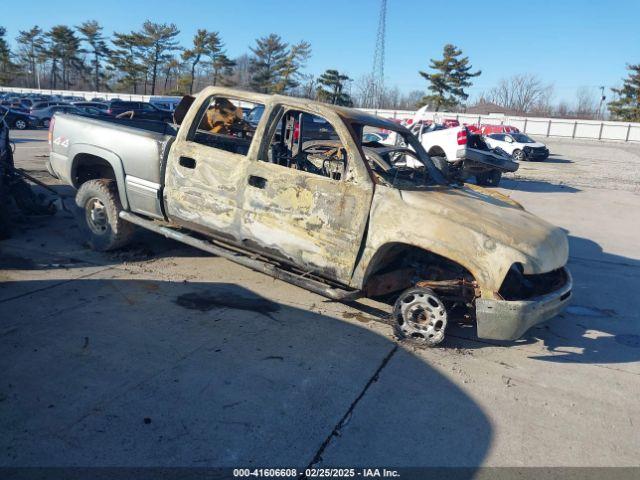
[
  {"x": 441, "y": 164},
  {"x": 519, "y": 156},
  {"x": 46, "y": 122},
  {"x": 489, "y": 179},
  {"x": 420, "y": 317},
  {"x": 20, "y": 124},
  {"x": 98, "y": 215}
]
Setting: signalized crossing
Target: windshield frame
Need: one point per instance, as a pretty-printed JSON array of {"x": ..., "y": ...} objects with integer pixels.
[{"x": 435, "y": 175}]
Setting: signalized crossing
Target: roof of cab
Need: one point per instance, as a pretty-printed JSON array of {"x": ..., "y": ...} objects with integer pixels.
[{"x": 350, "y": 115}]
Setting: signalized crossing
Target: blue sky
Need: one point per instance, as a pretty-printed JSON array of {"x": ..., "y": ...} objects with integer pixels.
[{"x": 570, "y": 44}]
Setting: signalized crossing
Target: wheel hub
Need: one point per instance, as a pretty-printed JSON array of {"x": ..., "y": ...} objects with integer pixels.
[
  {"x": 96, "y": 215},
  {"x": 421, "y": 315}
]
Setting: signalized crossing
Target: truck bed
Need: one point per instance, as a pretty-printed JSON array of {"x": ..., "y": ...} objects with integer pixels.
[{"x": 135, "y": 149}]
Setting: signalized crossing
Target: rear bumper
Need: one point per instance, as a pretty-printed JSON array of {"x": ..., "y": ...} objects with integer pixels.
[
  {"x": 509, "y": 320},
  {"x": 47, "y": 163}
]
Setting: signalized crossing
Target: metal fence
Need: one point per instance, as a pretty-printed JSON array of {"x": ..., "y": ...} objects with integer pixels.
[{"x": 537, "y": 126}]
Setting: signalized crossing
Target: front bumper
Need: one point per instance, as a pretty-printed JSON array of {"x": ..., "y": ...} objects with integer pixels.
[
  {"x": 509, "y": 320},
  {"x": 536, "y": 154}
]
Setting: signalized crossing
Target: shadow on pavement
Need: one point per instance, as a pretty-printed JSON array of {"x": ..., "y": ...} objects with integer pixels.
[
  {"x": 537, "y": 186},
  {"x": 556, "y": 159},
  {"x": 152, "y": 373}
]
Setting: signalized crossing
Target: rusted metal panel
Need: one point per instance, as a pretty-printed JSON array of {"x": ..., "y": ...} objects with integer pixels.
[{"x": 478, "y": 231}]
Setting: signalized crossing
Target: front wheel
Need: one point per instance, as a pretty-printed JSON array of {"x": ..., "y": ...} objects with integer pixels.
[
  {"x": 20, "y": 124},
  {"x": 489, "y": 179},
  {"x": 519, "y": 156},
  {"x": 99, "y": 218},
  {"x": 420, "y": 317}
]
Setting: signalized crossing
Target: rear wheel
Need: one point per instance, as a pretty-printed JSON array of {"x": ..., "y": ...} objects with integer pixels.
[
  {"x": 420, "y": 317},
  {"x": 489, "y": 179},
  {"x": 99, "y": 218},
  {"x": 46, "y": 122},
  {"x": 20, "y": 124}
]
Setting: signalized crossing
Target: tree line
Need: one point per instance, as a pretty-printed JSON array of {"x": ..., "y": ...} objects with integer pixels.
[{"x": 151, "y": 61}]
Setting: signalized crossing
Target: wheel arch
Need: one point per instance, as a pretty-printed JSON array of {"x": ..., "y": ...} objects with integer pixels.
[
  {"x": 392, "y": 256},
  {"x": 90, "y": 162},
  {"x": 437, "y": 151}
]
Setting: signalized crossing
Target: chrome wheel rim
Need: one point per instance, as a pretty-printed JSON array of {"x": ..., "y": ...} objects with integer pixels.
[
  {"x": 96, "y": 215},
  {"x": 421, "y": 316},
  {"x": 20, "y": 124}
]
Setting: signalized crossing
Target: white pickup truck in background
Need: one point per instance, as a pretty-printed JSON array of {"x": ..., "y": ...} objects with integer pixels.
[{"x": 461, "y": 154}]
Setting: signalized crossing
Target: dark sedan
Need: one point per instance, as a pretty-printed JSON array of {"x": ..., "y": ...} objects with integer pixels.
[{"x": 18, "y": 120}]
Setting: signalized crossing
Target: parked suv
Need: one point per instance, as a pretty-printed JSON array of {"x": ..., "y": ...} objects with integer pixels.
[
  {"x": 141, "y": 110},
  {"x": 519, "y": 146}
]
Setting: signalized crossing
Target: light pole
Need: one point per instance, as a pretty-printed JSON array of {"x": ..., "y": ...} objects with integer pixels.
[{"x": 602, "y": 99}]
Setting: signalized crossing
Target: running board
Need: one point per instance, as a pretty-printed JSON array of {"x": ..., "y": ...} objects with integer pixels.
[{"x": 315, "y": 286}]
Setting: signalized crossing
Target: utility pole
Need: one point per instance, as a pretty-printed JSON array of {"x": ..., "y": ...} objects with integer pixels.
[
  {"x": 602, "y": 99},
  {"x": 378, "y": 57}
]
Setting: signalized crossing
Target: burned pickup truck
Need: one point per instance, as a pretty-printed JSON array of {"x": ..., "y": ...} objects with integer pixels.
[{"x": 320, "y": 207}]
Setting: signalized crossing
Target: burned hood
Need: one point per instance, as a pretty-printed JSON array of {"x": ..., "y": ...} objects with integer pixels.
[{"x": 496, "y": 221}]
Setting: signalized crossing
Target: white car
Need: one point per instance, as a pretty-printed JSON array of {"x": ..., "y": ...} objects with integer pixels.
[{"x": 518, "y": 145}]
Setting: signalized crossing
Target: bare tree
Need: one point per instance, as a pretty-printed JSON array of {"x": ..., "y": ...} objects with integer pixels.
[
  {"x": 365, "y": 88},
  {"x": 563, "y": 109},
  {"x": 587, "y": 103},
  {"x": 522, "y": 93}
]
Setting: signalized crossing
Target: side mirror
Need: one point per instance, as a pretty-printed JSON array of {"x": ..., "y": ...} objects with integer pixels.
[{"x": 508, "y": 139}]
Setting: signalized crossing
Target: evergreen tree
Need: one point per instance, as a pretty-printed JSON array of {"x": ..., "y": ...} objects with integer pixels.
[
  {"x": 159, "y": 40},
  {"x": 268, "y": 63},
  {"x": 91, "y": 32},
  {"x": 334, "y": 93},
  {"x": 7, "y": 67},
  {"x": 451, "y": 77},
  {"x": 205, "y": 44},
  {"x": 124, "y": 59},
  {"x": 31, "y": 44},
  {"x": 627, "y": 106},
  {"x": 294, "y": 62},
  {"x": 63, "y": 48},
  {"x": 169, "y": 68},
  {"x": 222, "y": 68}
]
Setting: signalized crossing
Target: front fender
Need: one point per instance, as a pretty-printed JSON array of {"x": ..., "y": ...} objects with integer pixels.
[{"x": 448, "y": 234}]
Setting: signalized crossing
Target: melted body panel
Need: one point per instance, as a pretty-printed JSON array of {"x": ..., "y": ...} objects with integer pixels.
[
  {"x": 316, "y": 222},
  {"x": 207, "y": 194},
  {"x": 480, "y": 232}
]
